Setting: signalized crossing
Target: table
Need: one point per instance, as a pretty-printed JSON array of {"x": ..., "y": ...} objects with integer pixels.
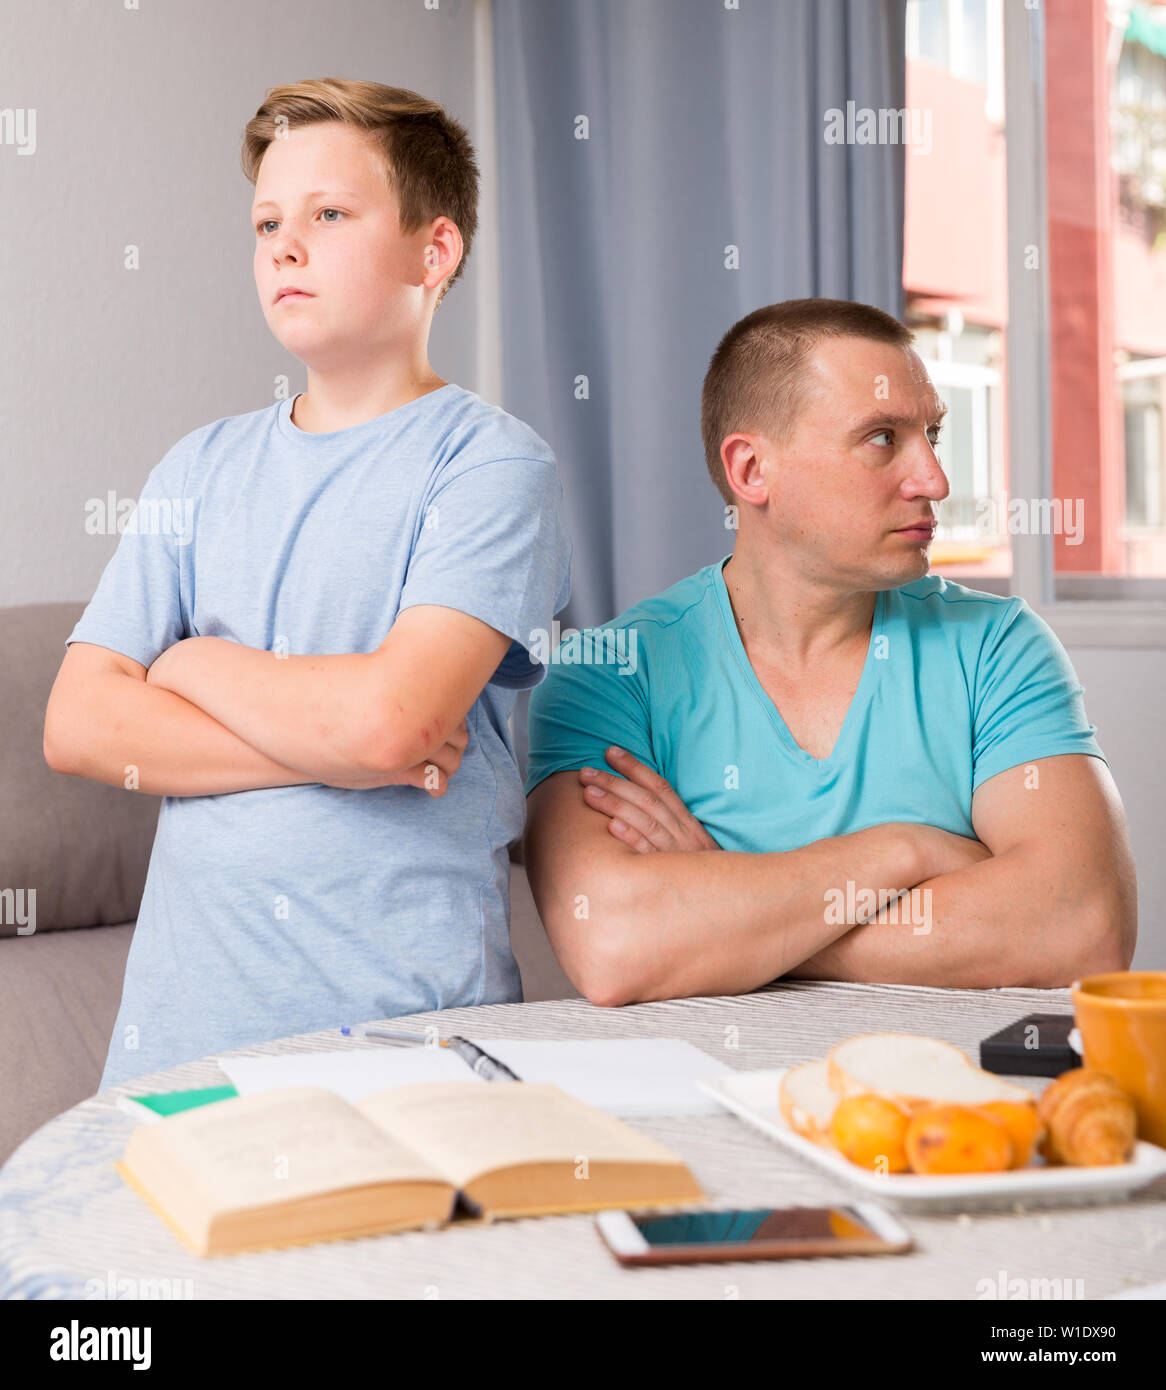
[{"x": 67, "y": 1218}]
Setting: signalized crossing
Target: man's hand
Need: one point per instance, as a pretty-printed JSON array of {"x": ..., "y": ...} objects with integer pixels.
[
  {"x": 944, "y": 852},
  {"x": 645, "y": 813}
]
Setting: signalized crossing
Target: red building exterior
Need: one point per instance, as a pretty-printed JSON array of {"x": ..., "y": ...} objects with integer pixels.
[{"x": 1107, "y": 275}]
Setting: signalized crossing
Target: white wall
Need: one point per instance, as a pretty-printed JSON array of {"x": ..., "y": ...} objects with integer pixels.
[
  {"x": 1124, "y": 697},
  {"x": 139, "y": 117}
]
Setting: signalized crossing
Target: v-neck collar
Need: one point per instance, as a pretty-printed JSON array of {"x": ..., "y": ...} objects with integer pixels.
[{"x": 859, "y": 699}]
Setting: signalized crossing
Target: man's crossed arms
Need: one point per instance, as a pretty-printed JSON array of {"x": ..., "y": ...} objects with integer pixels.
[{"x": 640, "y": 902}]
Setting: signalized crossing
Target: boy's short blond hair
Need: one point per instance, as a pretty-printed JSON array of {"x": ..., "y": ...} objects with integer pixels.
[{"x": 429, "y": 161}]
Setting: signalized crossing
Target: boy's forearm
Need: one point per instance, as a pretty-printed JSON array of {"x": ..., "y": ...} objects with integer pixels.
[
  {"x": 1011, "y": 920},
  {"x": 722, "y": 922},
  {"x": 132, "y": 735},
  {"x": 302, "y": 712}
]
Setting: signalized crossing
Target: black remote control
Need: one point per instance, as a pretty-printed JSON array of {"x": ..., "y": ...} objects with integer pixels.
[{"x": 1037, "y": 1045}]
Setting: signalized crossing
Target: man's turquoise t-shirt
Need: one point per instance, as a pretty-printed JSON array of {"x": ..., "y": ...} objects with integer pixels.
[
  {"x": 958, "y": 685},
  {"x": 291, "y": 909}
]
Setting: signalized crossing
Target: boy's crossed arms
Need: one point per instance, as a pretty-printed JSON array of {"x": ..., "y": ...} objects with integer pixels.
[{"x": 213, "y": 716}]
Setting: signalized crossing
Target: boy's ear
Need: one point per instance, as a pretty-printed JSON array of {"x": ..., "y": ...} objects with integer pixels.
[{"x": 444, "y": 252}]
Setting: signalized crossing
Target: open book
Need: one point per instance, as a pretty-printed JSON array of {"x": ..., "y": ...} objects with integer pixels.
[{"x": 297, "y": 1165}]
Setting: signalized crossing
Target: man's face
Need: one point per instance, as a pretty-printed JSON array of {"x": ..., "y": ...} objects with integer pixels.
[
  {"x": 325, "y": 220},
  {"x": 860, "y": 467}
]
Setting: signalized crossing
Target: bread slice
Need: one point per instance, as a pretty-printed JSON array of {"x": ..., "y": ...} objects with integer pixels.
[
  {"x": 914, "y": 1071},
  {"x": 806, "y": 1101}
]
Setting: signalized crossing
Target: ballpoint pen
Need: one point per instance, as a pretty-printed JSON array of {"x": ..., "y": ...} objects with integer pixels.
[{"x": 487, "y": 1067}]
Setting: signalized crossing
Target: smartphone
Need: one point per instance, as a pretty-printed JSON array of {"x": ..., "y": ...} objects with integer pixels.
[{"x": 760, "y": 1233}]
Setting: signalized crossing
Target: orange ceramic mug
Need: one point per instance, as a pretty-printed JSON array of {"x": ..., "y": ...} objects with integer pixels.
[{"x": 1122, "y": 1020}]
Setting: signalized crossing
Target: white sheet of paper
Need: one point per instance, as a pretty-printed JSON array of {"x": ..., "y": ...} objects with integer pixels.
[
  {"x": 354, "y": 1074},
  {"x": 624, "y": 1076}
]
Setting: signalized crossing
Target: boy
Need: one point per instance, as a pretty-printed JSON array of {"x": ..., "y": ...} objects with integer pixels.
[{"x": 317, "y": 677}]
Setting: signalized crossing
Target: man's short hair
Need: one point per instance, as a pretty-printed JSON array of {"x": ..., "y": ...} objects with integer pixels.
[
  {"x": 428, "y": 159},
  {"x": 756, "y": 379}
]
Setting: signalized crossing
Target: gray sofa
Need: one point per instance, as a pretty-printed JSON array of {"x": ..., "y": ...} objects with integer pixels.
[{"x": 84, "y": 848}]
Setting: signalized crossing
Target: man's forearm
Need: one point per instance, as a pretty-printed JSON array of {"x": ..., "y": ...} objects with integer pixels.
[
  {"x": 722, "y": 922},
  {"x": 128, "y": 734},
  {"x": 302, "y": 712},
  {"x": 1017, "y": 919}
]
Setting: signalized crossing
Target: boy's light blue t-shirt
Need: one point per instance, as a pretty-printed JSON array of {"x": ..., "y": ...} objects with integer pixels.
[
  {"x": 958, "y": 686},
  {"x": 290, "y": 909}
]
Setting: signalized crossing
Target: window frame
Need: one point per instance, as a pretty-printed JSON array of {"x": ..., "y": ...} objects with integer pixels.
[
  {"x": 1083, "y": 610},
  {"x": 984, "y": 384}
]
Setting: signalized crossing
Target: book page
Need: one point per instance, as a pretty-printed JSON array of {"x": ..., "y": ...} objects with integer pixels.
[
  {"x": 467, "y": 1129},
  {"x": 280, "y": 1146}
]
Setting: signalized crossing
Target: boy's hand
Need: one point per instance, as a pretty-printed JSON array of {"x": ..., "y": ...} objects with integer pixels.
[
  {"x": 166, "y": 669},
  {"x": 646, "y": 814},
  {"x": 177, "y": 667},
  {"x": 431, "y": 776}
]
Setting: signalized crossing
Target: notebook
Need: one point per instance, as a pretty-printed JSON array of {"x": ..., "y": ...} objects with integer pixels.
[
  {"x": 156, "y": 1105},
  {"x": 624, "y": 1076}
]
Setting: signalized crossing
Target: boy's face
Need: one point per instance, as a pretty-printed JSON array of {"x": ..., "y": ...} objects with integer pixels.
[{"x": 325, "y": 220}]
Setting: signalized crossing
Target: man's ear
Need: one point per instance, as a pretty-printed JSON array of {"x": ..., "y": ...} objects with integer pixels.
[{"x": 741, "y": 459}]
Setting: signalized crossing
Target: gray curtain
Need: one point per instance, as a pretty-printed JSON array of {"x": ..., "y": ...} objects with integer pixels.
[{"x": 706, "y": 129}]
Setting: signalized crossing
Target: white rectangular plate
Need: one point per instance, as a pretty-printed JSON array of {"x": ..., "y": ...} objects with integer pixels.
[{"x": 752, "y": 1095}]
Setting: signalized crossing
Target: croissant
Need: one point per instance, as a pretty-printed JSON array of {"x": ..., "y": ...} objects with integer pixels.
[{"x": 1089, "y": 1120}]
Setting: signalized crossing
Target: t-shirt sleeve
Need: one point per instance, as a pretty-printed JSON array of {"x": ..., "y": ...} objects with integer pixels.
[
  {"x": 493, "y": 543},
  {"x": 1029, "y": 703},
  {"x": 592, "y": 697},
  {"x": 136, "y": 608}
]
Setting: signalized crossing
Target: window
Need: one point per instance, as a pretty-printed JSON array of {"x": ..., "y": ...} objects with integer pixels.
[
  {"x": 1137, "y": 111},
  {"x": 954, "y": 270},
  {"x": 1142, "y": 398},
  {"x": 1034, "y": 277},
  {"x": 964, "y": 38},
  {"x": 963, "y": 362}
]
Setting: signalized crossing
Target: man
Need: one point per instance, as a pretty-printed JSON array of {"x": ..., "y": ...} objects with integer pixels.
[{"x": 815, "y": 721}]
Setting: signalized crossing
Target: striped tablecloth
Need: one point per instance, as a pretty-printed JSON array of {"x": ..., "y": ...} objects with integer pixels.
[{"x": 69, "y": 1226}]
